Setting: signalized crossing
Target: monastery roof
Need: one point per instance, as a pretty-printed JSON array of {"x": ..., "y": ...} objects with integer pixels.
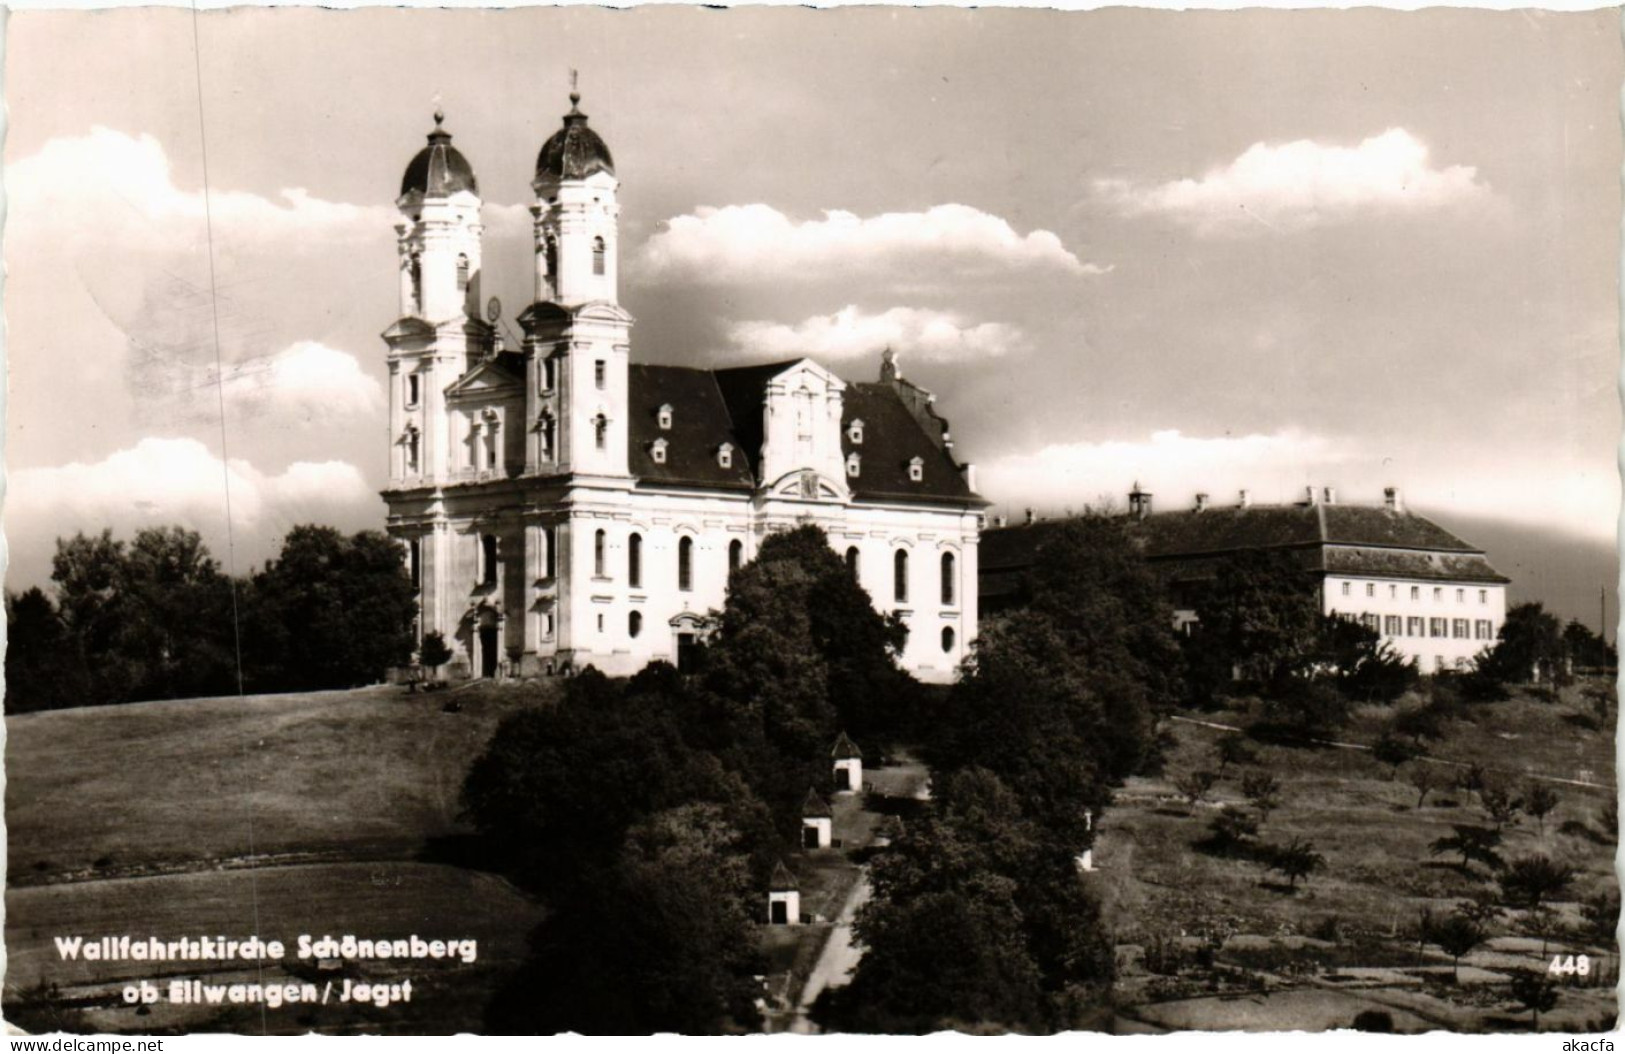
[
  {"x": 1340, "y": 539},
  {"x": 710, "y": 408},
  {"x": 439, "y": 169}
]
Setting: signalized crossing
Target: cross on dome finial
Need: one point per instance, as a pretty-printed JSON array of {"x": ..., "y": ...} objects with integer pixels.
[
  {"x": 575, "y": 95},
  {"x": 439, "y": 116}
]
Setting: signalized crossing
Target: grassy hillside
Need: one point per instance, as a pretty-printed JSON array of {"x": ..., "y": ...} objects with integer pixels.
[
  {"x": 277, "y": 815},
  {"x": 111, "y": 789},
  {"x": 1346, "y": 940}
]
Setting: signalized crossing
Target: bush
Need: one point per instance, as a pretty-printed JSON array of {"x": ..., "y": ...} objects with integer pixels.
[{"x": 1373, "y": 1021}]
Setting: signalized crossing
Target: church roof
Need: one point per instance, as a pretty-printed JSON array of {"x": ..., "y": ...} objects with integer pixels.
[
  {"x": 574, "y": 151},
  {"x": 439, "y": 169},
  {"x": 711, "y": 407}
]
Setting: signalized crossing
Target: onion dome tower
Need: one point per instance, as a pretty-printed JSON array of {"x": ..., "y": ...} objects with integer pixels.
[{"x": 575, "y": 214}]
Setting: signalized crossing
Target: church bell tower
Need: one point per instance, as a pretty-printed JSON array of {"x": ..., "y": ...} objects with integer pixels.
[{"x": 576, "y": 334}]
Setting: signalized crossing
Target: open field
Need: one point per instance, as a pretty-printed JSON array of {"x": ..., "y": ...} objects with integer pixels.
[
  {"x": 272, "y": 815},
  {"x": 1347, "y": 938}
]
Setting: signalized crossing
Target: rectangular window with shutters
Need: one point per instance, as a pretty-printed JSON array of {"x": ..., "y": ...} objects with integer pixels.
[
  {"x": 1413, "y": 627},
  {"x": 1458, "y": 628},
  {"x": 1393, "y": 626},
  {"x": 1484, "y": 629},
  {"x": 1438, "y": 627}
]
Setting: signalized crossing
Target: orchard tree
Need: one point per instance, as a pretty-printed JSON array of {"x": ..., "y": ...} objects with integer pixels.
[
  {"x": 1456, "y": 936},
  {"x": 1475, "y": 844},
  {"x": 1539, "y": 801}
]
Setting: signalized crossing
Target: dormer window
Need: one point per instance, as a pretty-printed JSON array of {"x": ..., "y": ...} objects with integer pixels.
[
  {"x": 853, "y": 465},
  {"x": 663, "y": 415},
  {"x": 916, "y": 469},
  {"x": 854, "y": 434},
  {"x": 725, "y": 455},
  {"x": 657, "y": 450}
]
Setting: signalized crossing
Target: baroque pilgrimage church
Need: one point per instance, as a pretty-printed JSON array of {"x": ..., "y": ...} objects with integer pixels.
[{"x": 563, "y": 505}]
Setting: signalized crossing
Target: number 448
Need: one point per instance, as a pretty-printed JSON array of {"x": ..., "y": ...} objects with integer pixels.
[{"x": 1569, "y": 965}]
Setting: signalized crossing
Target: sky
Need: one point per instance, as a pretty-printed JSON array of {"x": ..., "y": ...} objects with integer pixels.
[{"x": 1201, "y": 251}]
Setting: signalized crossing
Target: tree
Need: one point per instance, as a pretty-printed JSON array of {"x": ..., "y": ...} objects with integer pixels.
[
  {"x": 1601, "y": 912},
  {"x": 1539, "y": 801},
  {"x": 660, "y": 941},
  {"x": 330, "y": 612},
  {"x": 1233, "y": 748},
  {"x": 1231, "y": 828},
  {"x": 1529, "y": 645},
  {"x": 1297, "y": 859},
  {"x": 1585, "y": 648},
  {"x": 1194, "y": 786},
  {"x": 43, "y": 670},
  {"x": 1475, "y": 844},
  {"x": 1535, "y": 992},
  {"x": 1530, "y": 881},
  {"x": 1424, "y": 779},
  {"x": 1262, "y": 611},
  {"x": 1263, "y": 792},
  {"x": 1457, "y": 935},
  {"x": 433, "y": 652},
  {"x": 1472, "y": 779},
  {"x": 1544, "y": 923},
  {"x": 1393, "y": 752},
  {"x": 1500, "y": 805}
]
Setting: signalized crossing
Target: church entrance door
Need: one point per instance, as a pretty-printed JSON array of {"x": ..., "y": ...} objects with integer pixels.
[{"x": 488, "y": 651}]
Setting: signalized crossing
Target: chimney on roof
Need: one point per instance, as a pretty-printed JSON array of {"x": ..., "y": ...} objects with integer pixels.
[
  {"x": 1030, "y": 517},
  {"x": 1314, "y": 496},
  {"x": 1330, "y": 495},
  {"x": 1201, "y": 502},
  {"x": 1392, "y": 500},
  {"x": 1245, "y": 500},
  {"x": 1139, "y": 502},
  {"x": 888, "y": 366}
]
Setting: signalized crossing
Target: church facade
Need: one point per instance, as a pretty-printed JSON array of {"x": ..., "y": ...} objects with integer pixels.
[{"x": 562, "y": 505}]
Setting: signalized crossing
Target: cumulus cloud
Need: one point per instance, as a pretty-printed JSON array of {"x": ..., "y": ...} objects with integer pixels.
[
  {"x": 307, "y": 383},
  {"x": 932, "y": 336},
  {"x": 1172, "y": 465},
  {"x": 754, "y": 243},
  {"x": 1305, "y": 183},
  {"x": 164, "y": 481},
  {"x": 109, "y": 187}
]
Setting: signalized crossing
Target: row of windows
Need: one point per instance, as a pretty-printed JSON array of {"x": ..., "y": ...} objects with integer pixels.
[
  {"x": 634, "y": 559},
  {"x": 948, "y": 582},
  {"x": 1444, "y": 628},
  {"x": 1416, "y": 593}
]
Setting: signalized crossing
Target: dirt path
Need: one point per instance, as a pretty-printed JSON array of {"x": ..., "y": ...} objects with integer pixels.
[{"x": 838, "y": 959}]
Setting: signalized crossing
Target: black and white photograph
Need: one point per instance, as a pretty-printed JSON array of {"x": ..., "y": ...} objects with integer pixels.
[{"x": 857, "y": 521}]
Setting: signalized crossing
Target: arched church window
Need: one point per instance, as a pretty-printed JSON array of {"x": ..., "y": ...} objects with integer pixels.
[
  {"x": 736, "y": 555},
  {"x": 947, "y": 578},
  {"x": 417, "y": 284},
  {"x": 411, "y": 443},
  {"x": 488, "y": 559},
  {"x": 685, "y": 564},
  {"x": 947, "y": 638},
  {"x": 462, "y": 271},
  {"x": 634, "y": 623},
  {"x": 598, "y": 256},
  {"x": 550, "y": 256},
  {"x": 900, "y": 576},
  {"x": 852, "y": 560},
  {"x": 600, "y": 429},
  {"x": 550, "y": 552},
  {"x": 544, "y": 428},
  {"x": 598, "y": 546},
  {"x": 634, "y": 561}
]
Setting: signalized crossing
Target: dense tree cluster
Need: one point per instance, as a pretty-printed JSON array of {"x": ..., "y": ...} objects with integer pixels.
[
  {"x": 157, "y": 618},
  {"x": 650, "y": 812},
  {"x": 979, "y": 915}
]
